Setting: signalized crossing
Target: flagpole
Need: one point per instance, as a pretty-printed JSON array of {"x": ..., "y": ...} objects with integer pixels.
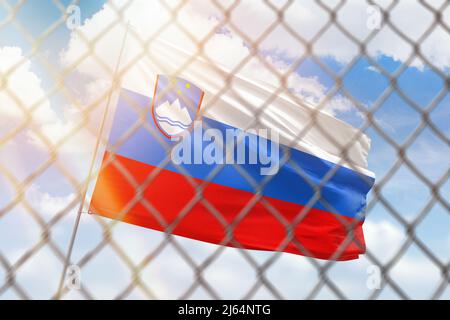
[{"x": 91, "y": 168}]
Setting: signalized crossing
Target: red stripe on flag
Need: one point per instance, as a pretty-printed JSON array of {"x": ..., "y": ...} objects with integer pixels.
[{"x": 321, "y": 233}]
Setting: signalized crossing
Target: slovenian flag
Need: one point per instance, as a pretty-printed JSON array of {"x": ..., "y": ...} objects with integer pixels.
[{"x": 222, "y": 166}]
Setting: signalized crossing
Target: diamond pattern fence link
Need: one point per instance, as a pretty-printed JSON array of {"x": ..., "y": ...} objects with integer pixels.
[{"x": 107, "y": 241}]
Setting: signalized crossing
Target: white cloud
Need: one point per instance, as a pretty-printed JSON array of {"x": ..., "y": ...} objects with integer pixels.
[
  {"x": 306, "y": 18},
  {"x": 22, "y": 96},
  {"x": 35, "y": 274},
  {"x": 227, "y": 49},
  {"x": 24, "y": 102},
  {"x": 46, "y": 204},
  {"x": 383, "y": 238},
  {"x": 373, "y": 69},
  {"x": 339, "y": 104},
  {"x": 21, "y": 90}
]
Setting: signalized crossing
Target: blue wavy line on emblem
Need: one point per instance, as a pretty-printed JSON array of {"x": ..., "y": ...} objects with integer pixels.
[
  {"x": 173, "y": 122},
  {"x": 175, "y": 125}
]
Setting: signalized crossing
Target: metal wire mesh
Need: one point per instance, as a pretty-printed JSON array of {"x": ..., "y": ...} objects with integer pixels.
[{"x": 106, "y": 237}]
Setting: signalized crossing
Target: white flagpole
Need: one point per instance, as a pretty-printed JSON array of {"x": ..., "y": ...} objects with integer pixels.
[{"x": 89, "y": 177}]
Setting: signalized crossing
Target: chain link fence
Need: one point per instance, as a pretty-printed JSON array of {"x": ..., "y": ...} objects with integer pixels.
[{"x": 107, "y": 259}]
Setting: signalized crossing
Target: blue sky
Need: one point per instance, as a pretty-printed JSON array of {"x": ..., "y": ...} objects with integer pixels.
[{"x": 396, "y": 118}]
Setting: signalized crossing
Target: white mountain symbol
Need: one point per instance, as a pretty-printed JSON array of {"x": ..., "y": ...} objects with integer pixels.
[{"x": 173, "y": 118}]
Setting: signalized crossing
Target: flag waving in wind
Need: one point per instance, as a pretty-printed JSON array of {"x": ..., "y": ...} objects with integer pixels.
[{"x": 215, "y": 174}]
